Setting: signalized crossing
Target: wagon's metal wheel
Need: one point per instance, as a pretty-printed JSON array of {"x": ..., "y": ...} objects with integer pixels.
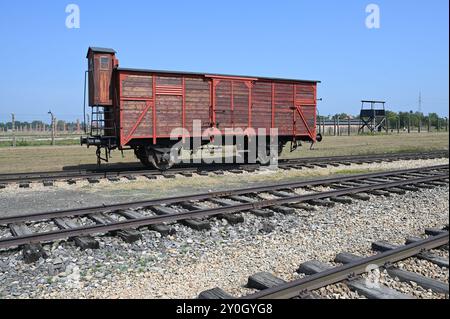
[
  {"x": 267, "y": 157},
  {"x": 161, "y": 161},
  {"x": 280, "y": 148},
  {"x": 144, "y": 160}
]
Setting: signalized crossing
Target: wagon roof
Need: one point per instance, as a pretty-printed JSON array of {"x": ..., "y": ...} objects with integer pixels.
[
  {"x": 213, "y": 74},
  {"x": 98, "y": 49}
]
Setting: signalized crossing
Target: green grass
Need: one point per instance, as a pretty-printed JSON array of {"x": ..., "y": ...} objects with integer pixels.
[
  {"x": 47, "y": 158},
  {"x": 372, "y": 144}
]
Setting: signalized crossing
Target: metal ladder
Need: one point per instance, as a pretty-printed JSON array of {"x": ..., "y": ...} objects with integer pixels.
[
  {"x": 99, "y": 125},
  {"x": 103, "y": 126}
]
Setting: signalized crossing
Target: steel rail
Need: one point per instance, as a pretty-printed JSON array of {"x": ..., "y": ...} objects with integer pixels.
[
  {"x": 203, "y": 196},
  {"x": 152, "y": 220},
  {"x": 373, "y": 157},
  {"x": 192, "y": 168},
  {"x": 316, "y": 281},
  {"x": 30, "y": 177}
]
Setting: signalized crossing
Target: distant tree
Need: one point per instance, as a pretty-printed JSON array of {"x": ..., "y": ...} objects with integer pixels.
[
  {"x": 341, "y": 116},
  {"x": 392, "y": 118}
]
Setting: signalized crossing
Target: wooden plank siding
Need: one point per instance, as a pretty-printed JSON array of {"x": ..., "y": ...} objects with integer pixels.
[
  {"x": 137, "y": 86},
  {"x": 131, "y": 112},
  {"x": 198, "y": 102},
  {"x": 224, "y": 118},
  {"x": 262, "y": 105},
  {"x": 136, "y": 102},
  {"x": 305, "y": 96},
  {"x": 168, "y": 114},
  {"x": 170, "y": 101},
  {"x": 284, "y": 104},
  {"x": 241, "y": 95},
  {"x": 100, "y": 75}
]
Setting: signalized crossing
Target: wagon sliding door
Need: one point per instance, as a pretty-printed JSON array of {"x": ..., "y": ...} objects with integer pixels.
[
  {"x": 223, "y": 107},
  {"x": 169, "y": 105},
  {"x": 283, "y": 105},
  {"x": 232, "y": 103}
]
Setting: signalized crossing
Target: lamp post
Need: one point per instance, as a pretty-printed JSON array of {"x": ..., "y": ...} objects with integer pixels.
[
  {"x": 409, "y": 121},
  {"x": 420, "y": 122},
  {"x": 53, "y": 126}
]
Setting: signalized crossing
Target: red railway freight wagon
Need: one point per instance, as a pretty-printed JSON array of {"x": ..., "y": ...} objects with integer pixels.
[{"x": 139, "y": 109}]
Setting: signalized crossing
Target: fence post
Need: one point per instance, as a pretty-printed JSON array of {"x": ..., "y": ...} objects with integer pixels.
[
  {"x": 338, "y": 127},
  {"x": 348, "y": 119},
  {"x": 446, "y": 124},
  {"x": 438, "y": 124},
  {"x": 13, "y": 129},
  {"x": 429, "y": 123},
  {"x": 420, "y": 124},
  {"x": 409, "y": 123},
  {"x": 53, "y": 128},
  {"x": 398, "y": 126},
  {"x": 334, "y": 127}
]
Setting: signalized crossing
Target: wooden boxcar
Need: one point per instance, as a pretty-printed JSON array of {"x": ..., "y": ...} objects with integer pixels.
[{"x": 138, "y": 109}]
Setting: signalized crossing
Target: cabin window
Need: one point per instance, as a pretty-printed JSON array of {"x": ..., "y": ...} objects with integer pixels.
[{"x": 104, "y": 63}]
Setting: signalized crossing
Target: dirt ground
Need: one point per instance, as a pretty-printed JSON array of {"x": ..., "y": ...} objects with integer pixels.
[{"x": 46, "y": 158}]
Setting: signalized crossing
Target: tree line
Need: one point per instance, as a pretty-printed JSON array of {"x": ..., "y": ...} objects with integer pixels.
[
  {"x": 392, "y": 117},
  {"x": 70, "y": 126}
]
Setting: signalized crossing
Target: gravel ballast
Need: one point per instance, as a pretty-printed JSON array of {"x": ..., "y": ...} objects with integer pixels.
[
  {"x": 16, "y": 201},
  {"x": 188, "y": 262}
]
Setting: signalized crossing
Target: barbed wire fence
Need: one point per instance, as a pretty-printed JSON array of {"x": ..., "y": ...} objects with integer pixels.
[
  {"x": 348, "y": 127},
  {"x": 24, "y": 129},
  {"x": 34, "y": 129}
]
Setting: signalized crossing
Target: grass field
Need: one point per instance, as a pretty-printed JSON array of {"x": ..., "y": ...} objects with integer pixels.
[
  {"x": 43, "y": 158},
  {"x": 38, "y": 139},
  {"x": 372, "y": 144},
  {"x": 22, "y": 142}
]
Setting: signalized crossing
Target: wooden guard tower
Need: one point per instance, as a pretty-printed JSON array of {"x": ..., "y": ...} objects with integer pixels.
[{"x": 373, "y": 116}]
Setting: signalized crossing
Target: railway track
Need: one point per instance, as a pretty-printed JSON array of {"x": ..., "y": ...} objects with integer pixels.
[
  {"x": 125, "y": 219},
  {"x": 94, "y": 175},
  {"x": 352, "y": 271}
]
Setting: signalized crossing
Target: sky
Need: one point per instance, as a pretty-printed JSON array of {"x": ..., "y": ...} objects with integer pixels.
[{"x": 43, "y": 61}]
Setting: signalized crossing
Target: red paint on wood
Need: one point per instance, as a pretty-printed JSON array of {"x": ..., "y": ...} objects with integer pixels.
[{"x": 221, "y": 101}]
